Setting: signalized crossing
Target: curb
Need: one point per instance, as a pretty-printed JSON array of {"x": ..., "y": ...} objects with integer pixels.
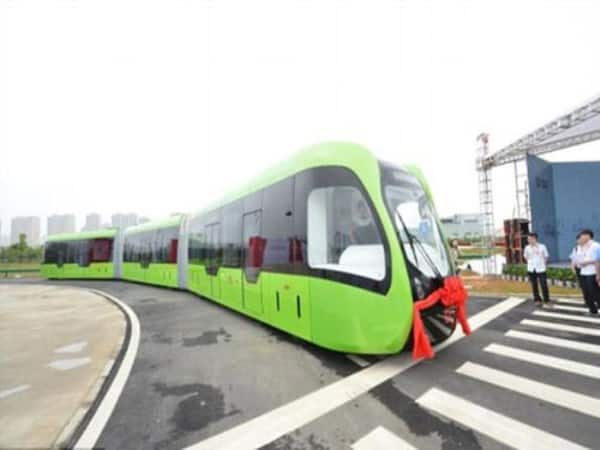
[{"x": 109, "y": 386}]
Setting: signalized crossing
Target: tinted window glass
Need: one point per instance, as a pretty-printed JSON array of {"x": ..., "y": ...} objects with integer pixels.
[
  {"x": 214, "y": 248},
  {"x": 342, "y": 233},
  {"x": 338, "y": 228},
  {"x": 232, "y": 234},
  {"x": 101, "y": 250},
  {"x": 277, "y": 218},
  {"x": 197, "y": 241},
  {"x": 254, "y": 244}
]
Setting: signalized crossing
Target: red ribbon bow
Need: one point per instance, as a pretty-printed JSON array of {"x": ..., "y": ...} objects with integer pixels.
[{"x": 452, "y": 293}]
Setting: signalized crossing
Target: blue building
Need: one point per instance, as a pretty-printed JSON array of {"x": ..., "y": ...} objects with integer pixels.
[{"x": 564, "y": 198}]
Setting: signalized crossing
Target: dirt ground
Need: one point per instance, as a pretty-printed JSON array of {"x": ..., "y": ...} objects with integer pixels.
[{"x": 478, "y": 285}]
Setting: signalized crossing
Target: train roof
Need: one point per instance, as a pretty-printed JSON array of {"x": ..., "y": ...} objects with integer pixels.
[
  {"x": 104, "y": 233},
  {"x": 174, "y": 220},
  {"x": 345, "y": 154}
]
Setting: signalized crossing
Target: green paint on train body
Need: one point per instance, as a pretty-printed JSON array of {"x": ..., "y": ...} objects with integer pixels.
[
  {"x": 96, "y": 270},
  {"x": 172, "y": 221},
  {"x": 333, "y": 315},
  {"x": 93, "y": 270},
  {"x": 157, "y": 274},
  {"x": 328, "y": 313},
  {"x": 104, "y": 233}
]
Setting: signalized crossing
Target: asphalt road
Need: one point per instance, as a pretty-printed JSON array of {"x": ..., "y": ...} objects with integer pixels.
[{"x": 201, "y": 370}]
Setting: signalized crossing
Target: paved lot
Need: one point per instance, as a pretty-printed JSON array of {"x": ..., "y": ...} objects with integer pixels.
[
  {"x": 526, "y": 378},
  {"x": 55, "y": 343}
]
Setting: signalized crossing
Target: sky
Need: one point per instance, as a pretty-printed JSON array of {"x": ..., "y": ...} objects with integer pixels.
[{"x": 162, "y": 106}]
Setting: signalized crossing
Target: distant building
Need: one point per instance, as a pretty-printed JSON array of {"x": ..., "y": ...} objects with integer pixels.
[
  {"x": 93, "y": 222},
  {"x": 3, "y": 239},
  {"x": 30, "y": 226},
  {"x": 143, "y": 219},
  {"x": 463, "y": 226},
  {"x": 61, "y": 223},
  {"x": 124, "y": 220}
]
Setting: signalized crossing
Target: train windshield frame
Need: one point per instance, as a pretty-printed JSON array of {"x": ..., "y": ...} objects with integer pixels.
[{"x": 416, "y": 223}]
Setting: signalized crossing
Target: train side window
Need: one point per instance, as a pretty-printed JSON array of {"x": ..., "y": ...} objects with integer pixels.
[
  {"x": 232, "y": 234},
  {"x": 101, "y": 250},
  {"x": 156, "y": 246},
  {"x": 342, "y": 233},
  {"x": 171, "y": 241},
  {"x": 214, "y": 256},
  {"x": 254, "y": 245},
  {"x": 277, "y": 223},
  {"x": 197, "y": 242}
]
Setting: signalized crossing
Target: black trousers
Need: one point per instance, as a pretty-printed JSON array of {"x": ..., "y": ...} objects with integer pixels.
[
  {"x": 591, "y": 292},
  {"x": 534, "y": 277}
]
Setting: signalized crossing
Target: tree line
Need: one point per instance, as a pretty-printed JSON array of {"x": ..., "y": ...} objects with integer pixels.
[{"x": 21, "y": 252}]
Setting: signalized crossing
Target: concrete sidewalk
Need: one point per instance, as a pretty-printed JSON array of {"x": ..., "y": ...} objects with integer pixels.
[{"x": 57, "y": 345}]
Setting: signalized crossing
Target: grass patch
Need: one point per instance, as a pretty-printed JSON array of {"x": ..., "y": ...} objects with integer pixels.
[{"x": 491, "y": 285}]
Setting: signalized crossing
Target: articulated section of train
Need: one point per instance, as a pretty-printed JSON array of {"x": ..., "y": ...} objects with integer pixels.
[{"x": 332, "y": 246}]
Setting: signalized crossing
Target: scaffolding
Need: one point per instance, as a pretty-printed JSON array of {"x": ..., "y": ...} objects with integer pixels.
[
  {"x": 486, "y": 204},
  {"x": 578, "y": 126}
]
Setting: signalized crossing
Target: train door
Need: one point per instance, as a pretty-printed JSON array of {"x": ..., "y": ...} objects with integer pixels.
[
  {"x": 230, "y": 273},
  {"x": 215, "y": 250},
  {"x": 252, "y": 261}
]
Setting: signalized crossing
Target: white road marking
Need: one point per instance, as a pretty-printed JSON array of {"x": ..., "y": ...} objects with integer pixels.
[
  {"x": 107, "y": 367},
  {"x": 510, "y": 432},
  {"x": 572, "y": 301},
  {"x": 270, "y": 426},
  {"x": 580, "y": 403},
  {"x": 579, "y": 309},
  {"x": 7, "y": 392},
  {"x": 358, "y": 360},
  {"x": 381, "y": 439},
  {"x": 553, "y": 315},
  {"x": 96, "y": 424},
  {"x": 558, "y": 342},
  {"x": 72, "y": 348},
  {"x": 69, "y": 364},
  {"x": 561, "y": 327},
  {"x": 566, "y": 365}
]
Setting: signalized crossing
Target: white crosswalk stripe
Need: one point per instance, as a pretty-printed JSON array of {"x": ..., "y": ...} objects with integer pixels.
[
  {"x": 561, "y": 327},
  {"x": 566, "y": 365},
  {"x": 581, "y": 308},
  {"x": 381, "y": 439},
  {"x": 557, "y": 342},
  {"x": 503, "y": 429},
  {"x": 554, "y": 315},
  {"x": 572, "y": 301},
  {"x": 498, "y": 424},
  {"x": 575, "y": 401}
]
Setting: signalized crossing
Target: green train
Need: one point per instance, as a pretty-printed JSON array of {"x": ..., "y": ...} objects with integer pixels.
[{"x": 332, "y": 246}]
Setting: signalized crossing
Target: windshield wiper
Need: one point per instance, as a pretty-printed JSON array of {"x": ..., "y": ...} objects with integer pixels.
[
  {"x": 412, "y": 240},
  {"x": 409, "y": 236}
]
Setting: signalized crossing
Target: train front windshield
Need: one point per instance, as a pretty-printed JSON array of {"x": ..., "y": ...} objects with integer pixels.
[{"x": 418, "y": 230}]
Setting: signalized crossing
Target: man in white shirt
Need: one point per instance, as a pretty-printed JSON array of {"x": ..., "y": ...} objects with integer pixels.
[
  {"x": 536, "y": 255},
  {"x": 588, "y": 274}
]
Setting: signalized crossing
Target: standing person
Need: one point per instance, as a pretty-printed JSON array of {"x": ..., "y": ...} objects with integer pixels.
[
  {"x": 536, "y": 255},
  {"x": 575, "y": 258},
  {"x": 455, "y": 253},
  {"x": 588, "y": 264},
  {"x": 598, "y": 266}
]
